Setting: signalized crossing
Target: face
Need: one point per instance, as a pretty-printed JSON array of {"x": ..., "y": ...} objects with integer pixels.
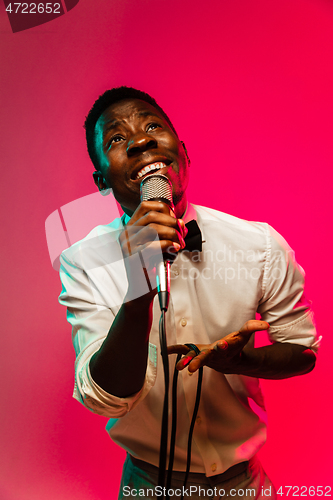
[{"x": 130, "y": 136}]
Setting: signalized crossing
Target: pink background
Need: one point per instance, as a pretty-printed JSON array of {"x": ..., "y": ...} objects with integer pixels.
[{"x": 249, "y": 86}]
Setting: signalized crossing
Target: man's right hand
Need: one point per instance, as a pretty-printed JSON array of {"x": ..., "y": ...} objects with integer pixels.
[{"x": 152, "y": 230}]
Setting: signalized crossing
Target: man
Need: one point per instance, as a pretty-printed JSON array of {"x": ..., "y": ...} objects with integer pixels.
[{"x": 243, "y": 268}]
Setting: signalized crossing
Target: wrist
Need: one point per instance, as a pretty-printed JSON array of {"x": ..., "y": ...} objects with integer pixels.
[{"x": 249, "y": 362}]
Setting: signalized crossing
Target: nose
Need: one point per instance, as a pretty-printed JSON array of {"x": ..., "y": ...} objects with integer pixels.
[{"x": 139, "y": 143}]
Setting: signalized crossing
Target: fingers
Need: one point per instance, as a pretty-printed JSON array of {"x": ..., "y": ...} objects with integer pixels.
[
  {"x": 168, "y": 235},
  {"x": 153, "y": 221},
  {"x": 153, "y": 212},
  {"x": 178, "y": 349},
  {"x": 214, "y": 355},
  {"x": 254, "y": 325},
  {"x": 183, "y": 363},
  {"x": 198, "y": 361},
  {"x": 147, "y": 206},
  {"x": 167, "y": 227},
  {"x": 182, "y": 349},
  {"x": 235, "y": 341},
  {"x": 191, "y": 360},
  {"x": 221, "y": 345},
  {"x": 158, "y": 239}
]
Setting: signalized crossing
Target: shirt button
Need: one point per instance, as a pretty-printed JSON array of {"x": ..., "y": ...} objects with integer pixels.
[
  {"x": 198, "y": 420},
  {"x": 183, "y": 322},
  {"x": 213, "y": 467},
  {"x": 176, "y": 272}
]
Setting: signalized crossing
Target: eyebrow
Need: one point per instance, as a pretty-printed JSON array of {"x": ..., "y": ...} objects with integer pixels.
[
  {"x": 111, "y": 125},
  {"x": 116, "y": 123},
  {"x": 148, "y": 113}
]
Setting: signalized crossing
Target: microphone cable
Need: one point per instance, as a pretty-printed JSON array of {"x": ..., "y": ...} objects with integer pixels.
[
  {"x": 165, "y": 414},
  {"x": 156, "y": 186}
]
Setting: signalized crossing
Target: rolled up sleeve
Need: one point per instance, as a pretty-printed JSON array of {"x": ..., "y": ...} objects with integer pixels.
[
  {"x": 99, "y": 401},
  {"x": 284, "y": 304},
  {"x": 91, "y": 322}
]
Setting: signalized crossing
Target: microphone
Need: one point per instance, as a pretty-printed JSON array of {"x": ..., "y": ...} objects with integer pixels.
[{"x": 157, "y": 187}]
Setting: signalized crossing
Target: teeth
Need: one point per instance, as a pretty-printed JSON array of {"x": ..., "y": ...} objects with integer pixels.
[{"x": 149, "y": 168}]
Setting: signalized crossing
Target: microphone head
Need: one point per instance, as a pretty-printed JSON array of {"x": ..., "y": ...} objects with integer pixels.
[{"x": 156, "y": 187}]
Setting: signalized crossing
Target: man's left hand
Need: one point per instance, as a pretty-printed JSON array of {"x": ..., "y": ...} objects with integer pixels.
[{"x": 224, "y": 355}]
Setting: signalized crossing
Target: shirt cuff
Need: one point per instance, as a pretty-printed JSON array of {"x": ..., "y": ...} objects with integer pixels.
[
  {"x": 101, "y": 402},
  {"x": 302, "y": 331}
]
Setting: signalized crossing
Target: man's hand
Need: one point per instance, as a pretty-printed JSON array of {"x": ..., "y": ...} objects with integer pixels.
[
  {"x": 152, "y": 230},
  {"x": 224, "y": 355},
  {"x": 232, "y": 355},
  {"x": 152, "y": 219}
]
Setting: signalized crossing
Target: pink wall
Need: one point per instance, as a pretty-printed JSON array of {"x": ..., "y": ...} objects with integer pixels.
[{"x": 249, "y": 86}]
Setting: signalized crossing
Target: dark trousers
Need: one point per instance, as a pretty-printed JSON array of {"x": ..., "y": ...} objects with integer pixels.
[{"x": 247, "y": 481}]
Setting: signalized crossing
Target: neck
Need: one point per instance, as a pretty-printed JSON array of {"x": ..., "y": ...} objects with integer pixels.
[{"x": 181, "y": 207}]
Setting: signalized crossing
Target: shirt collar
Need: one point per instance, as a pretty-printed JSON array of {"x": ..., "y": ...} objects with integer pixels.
[{"x": 191, "y": 214}]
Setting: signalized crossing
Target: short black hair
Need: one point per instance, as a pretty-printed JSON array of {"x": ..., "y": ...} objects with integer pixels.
[{"x": 103, "y": 102}]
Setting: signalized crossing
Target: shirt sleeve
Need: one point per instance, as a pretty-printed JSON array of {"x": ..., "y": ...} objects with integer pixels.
[
  {"x": 284, "y": 304},
  {"x": 91, "y": 322}
]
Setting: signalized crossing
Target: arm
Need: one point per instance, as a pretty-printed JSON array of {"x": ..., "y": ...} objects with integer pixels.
[
  {"x": 231, "y": 355},
  {"x": 119, "y": 366},
  {"x": 277, "y": 361},
  {"x": 287, "y": 314}
]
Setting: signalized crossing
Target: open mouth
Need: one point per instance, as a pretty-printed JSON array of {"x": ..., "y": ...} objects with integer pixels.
[{"x": 152, "y": 167}]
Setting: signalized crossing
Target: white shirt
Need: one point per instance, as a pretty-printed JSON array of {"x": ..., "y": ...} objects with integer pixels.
[{"x": 244, "y": 268}]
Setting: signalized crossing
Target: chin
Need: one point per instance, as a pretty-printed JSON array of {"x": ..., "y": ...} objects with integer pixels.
[{"x": 127, "y": 211}]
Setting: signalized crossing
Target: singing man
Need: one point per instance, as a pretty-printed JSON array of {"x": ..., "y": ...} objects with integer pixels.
[{"x": 229, "y": 271}]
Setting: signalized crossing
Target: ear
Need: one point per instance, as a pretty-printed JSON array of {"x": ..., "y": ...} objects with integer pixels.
[
  {"x": 101, "y": 183},
  {"x": 99, "y": 180},
  {"x": 184, "y": 147}
]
